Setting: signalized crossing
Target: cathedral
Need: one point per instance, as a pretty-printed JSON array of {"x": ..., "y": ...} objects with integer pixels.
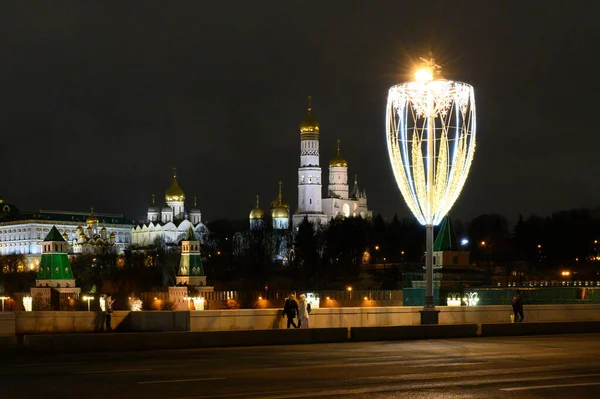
[
  {"x": 170, "y": 222},
  {"x": 340, "y": 200}
]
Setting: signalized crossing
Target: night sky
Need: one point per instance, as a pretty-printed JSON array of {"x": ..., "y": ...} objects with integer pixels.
[{"x": 99, "y": 100}]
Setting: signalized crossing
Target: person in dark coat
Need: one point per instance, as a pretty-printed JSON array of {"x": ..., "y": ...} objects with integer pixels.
[
  {"x": 517, "y": 304},
  {"x": 290, "y": 310}
]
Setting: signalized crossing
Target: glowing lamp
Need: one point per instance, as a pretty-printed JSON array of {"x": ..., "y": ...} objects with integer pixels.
[{"x": 430, "y": 127}]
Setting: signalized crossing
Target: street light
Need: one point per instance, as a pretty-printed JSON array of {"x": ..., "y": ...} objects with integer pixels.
[
  {"x": 431, "y": 142},
  {"x": 88, "y": 299},
  {"x": 3, "y": 298}
]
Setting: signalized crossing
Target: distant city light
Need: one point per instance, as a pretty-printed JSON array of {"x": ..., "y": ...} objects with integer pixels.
[{"x": 464, "y": 241}]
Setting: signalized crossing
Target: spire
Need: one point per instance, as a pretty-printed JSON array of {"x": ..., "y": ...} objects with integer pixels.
[
  {"x": 195, "y": 202},
  {"x": 174, "y": 173},
  {"x": 309, "y": 106},
  {"x": 446, "y": 238},
  {"x": 257, "y": 199},
  {"x": 190, "y": 234},
  {"x": 153, "y": 199},
  {"x": 339, "y": 142},
  {"x": 279, "y": 196}
]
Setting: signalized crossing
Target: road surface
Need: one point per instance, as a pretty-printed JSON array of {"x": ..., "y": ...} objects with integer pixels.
[{"x": 565, "y": 366}]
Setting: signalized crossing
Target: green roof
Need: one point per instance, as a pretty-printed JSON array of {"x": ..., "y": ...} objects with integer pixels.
[
  {"x": 191, "y": 236},
  {"x": 62, "y": 216},
  {"x": 55, "y": 267},
  {"x": 54, "y": 235},
  {"x": 191, "y": 265},
  {"x": 446, "y": 239}
]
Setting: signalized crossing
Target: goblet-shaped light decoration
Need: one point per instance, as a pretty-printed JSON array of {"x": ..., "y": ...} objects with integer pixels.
[{"x": 430, "y": 127}]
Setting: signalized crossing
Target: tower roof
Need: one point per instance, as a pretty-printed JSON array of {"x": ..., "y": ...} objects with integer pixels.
[
  {"x": 92, "y": 219},
  {"x": 446, "y": 238},
  {"x": 191, "y": 236},
  {"x": 257, "y": 212},
  {"x": 309, "y": 128},
  {"x": 54, "y": 235},
  {"x": 279, "y": 208},
  {"x": 338, "y": 160},
  {"x": 174, "y": 193}
]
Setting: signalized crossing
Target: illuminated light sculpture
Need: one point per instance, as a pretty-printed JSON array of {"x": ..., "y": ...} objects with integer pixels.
[{"x": 430, "y": 127}]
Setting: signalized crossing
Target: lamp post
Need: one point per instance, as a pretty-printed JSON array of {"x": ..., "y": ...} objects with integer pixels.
[
  {"x": 88, "y": 298},
  {"x": 3, "y": 298},
  {"x": 430, "y": 127}
]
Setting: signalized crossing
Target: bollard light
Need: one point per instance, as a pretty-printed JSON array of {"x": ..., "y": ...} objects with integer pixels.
[
  {"x": 3, "y": 298},
  {"x": 88, "y": 298}
]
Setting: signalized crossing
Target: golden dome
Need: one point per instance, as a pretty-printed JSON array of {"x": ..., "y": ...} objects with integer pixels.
[
  {"x": 174, "y": 193},
  {"x": 65, "y": 236},
  {"x": 103, "y": 229},
  {"x": 79, "y": 229},
  {"x": 338, "y": 161},
  {"x": 257, "y": 213},
  {"x": 92, "y": 219},
  {"x": 279, "y": 208},
  {"x": 81, "y": 235},
  {"x": 310, "y": 125},
  {"x": 113, "y": 235}
]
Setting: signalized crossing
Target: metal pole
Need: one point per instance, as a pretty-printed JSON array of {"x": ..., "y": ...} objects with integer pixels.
[
  {"x": 429, "y": 268},
  {"x": 429, "y": 315}
]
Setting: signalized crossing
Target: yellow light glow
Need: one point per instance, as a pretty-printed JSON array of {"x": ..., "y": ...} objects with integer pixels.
[
  {"x": 483, "y": 243},
  {"x": 349, "y": 288},
  {"x": 260, "y": 298},
  {"x": 328, "y": 298},
  {"x": 376, "y": 247},
  {"x": 365, "y": 298},
  {"x": 423, "y": 75}
]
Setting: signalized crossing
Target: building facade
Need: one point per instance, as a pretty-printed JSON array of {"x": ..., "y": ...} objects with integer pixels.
[{"x": 24, "y": 232}]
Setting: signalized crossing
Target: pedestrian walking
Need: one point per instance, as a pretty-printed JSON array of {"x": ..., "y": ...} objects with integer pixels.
[
  {"x": 108, "y": 311},
  {"x": 303, "y": 311},
  {"x": 517, "y": 304},
  {"x": 290, "y": 310}
]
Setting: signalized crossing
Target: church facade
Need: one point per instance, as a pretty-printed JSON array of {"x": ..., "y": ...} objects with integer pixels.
[{"x": 171, "y": 222}]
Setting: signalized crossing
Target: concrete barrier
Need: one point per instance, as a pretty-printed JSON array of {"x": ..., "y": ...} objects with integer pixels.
[
  {"x": 515, "y": 329},
  {"x": 88, "y": 322},
  {"x": 62, "y": 343},
  {"x": 400, "y": 333},
  {"x": 7, "y": 324}
]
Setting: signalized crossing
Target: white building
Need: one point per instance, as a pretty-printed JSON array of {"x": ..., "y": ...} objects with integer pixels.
[
  {"x": 340, "y": 201},
  {"x": 24, "y": 232},
  {"x": 170, "y": 222}
]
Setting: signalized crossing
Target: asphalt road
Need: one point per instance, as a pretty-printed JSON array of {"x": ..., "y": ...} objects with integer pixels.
[{"x": 565, "y": 366}]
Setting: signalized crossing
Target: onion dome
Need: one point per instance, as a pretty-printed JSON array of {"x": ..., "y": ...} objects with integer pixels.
[
  {"x": 338, "y": 161},
  {"x": 79, "y": 229},
  {"x": 174, "y": 193},
  {"x": 65, "y": 236},
  {"x": 166, "y": 209},
  {"x": 103, "y": 230},
  {"x": 257, "y": 213},
  {"x": 153, "y": 208},
  {"x": 279, "y": 208},
  {"x": 309, "y": 128},
  {"x": 92, "y": 219},
  {"x": 112, "y": 235},
  {"x": 81, "y": 235},
  {"x": 195, "y": 210}
]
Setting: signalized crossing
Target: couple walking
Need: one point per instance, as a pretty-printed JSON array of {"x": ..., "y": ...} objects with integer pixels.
[{"x": 292, "y": 309}]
